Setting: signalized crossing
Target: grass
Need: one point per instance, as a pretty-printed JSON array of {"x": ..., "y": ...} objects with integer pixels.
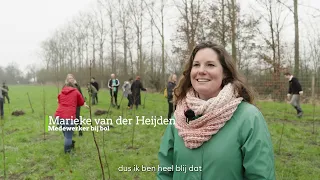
[{"x": 30, "y": 156}]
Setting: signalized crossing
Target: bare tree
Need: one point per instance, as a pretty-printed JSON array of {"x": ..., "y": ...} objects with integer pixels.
[
  {"x": 296, "y": 33},
  {"x": 112, "y": 22},
  {"x": 216, "y": 23},
  {"x": 136, "y": 17},
  {"x": 188, "y": 31},
  {"x": 275, "y": 19},
  {"x": 233, "y": 19},
  {"x": 296, "y": 39},
  {"x": 124, "y": 21},
  {"x": 223, "y": 31},
  {"x": 32, "y": 71},
  {"x": 93, "y": 37},
  {"x": 154, "y": 18},
  {"x": 102, "y": 32},
  {"x": 313, "y": 49},
  {"x": 246, "y": 41}
]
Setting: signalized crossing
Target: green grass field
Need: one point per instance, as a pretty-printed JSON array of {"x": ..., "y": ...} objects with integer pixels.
[{"x": 31, "y": 155}]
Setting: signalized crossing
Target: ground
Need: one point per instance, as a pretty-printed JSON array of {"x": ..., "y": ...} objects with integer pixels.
[{"x": 32, "y": 154}]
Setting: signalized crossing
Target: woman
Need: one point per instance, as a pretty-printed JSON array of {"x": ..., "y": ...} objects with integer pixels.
[
  {"x": 68, "y": 99},
  {"x": 136, "y": 86},
  {"x": 126, "y": 88},
  {"x": 71, "y": 79},
  {"x": 218, "y": 133},
  {"x": 171, "y": 84}
]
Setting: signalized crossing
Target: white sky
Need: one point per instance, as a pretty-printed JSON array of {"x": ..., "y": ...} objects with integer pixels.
[{"x": 25, "y": 23}]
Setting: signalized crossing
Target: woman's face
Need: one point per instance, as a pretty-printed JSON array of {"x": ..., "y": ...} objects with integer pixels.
[
  {"x": 174, "y": 78},
  {"x": 206, "y": 73},
  {"x": 70, "y": 79}
]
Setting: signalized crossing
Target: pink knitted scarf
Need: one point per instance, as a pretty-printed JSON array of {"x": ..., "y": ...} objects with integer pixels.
[{"x": 215, "y": 113}]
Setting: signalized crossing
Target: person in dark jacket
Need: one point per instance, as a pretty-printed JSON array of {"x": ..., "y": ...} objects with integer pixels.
[
  {"x": 68, "y": 99},
  {"x": 5, "y": 93},
  {"x": 113, "y": 85},
  {"x": 171, "y": 84},
  {"x": 3, "y": 90},
  {"x": 135, "y": 89},
  {"x": 295, "y": 90},
  {"x": 96, "y": 85}
]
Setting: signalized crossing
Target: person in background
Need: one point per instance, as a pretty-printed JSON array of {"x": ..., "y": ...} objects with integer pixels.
[
  {"x": 92, "y": 91},
  {"x": 5, "y": 94},
  {"x": 68, "y": 100},
  {"x": 96, "y": 85},
  {"x": 126, "y": 88},
  {"x": 295, "y": 90},
  {"x": 3, "y": 90},
  {"x": 216, "y": 128},
  {"x": 113, "y": 85},
  {"x": 171, "y": 84},
  {"x": 135, "y": 89}
]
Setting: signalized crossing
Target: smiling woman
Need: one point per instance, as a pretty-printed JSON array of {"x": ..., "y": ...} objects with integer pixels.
[
  {"x": 227, "y": 136},
  {"x": 207, "y": 73}
]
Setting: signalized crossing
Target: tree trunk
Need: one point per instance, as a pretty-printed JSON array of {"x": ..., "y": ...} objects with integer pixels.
[
  {"x": 152, "y": 45},
  {"x": 101, "y": 58},
  {"x": 131, "y": 61},
  {"x": 112, "y": 42},
  {"x": 223, "y": 39},
  {"x": 296, "y": 39},
  {"x": 233, "y": 30},
  {"x": 140, "y": 40},
  {"x": 162, "y": 46},
  {"x": 125, "y": 47}
]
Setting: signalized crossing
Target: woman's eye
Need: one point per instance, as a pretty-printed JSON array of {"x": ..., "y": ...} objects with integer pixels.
[
  {"x": 195, "y": 64},
  {"x": 210, "y": 64}
]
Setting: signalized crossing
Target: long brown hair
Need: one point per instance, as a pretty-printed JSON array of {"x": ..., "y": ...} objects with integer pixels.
[{"x": 232, "y": 75}]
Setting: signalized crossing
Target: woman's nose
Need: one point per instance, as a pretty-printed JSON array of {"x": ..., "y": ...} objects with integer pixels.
[{"x": 202, "y": 69}]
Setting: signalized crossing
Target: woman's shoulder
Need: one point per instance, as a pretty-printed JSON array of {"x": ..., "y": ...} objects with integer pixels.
[
  {"x": 248, "y": 107},
  {"x": 247, "y": 111}
]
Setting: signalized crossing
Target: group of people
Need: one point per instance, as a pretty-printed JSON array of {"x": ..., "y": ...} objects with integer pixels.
[
  {"x": 217, "y": 126},
  {"x": 70, "y": 100},
  {"x": 132, "y": 91}
]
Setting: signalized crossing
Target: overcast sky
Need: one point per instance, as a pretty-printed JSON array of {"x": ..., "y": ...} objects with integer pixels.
[{"x": 25, "y": 23}]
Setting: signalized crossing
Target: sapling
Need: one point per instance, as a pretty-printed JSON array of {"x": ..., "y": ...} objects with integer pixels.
[
  {"x": 3, "y": 151},
  {"x": 94, "y": 137},
  {"x": 30, "y": 102}
]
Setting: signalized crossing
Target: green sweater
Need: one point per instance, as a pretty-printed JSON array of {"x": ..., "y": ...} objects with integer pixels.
[{"x": 242, "y": 149}]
